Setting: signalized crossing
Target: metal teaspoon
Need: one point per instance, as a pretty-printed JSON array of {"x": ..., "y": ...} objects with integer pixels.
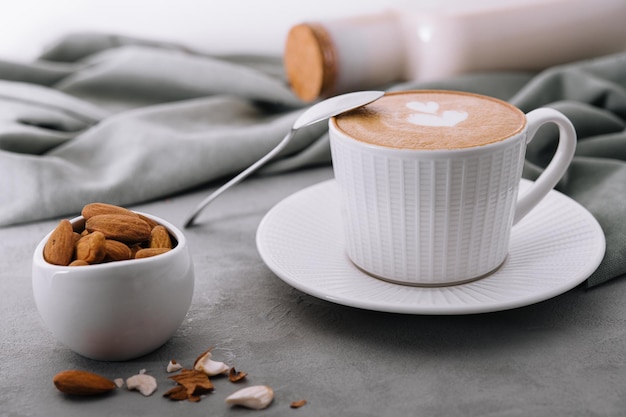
[{"x": 316, "y": 113}]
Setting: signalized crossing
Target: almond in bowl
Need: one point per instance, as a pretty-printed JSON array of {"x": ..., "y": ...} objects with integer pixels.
[
  {"x": 108, "y": 287},
  {"x": 107, "y": 233}
]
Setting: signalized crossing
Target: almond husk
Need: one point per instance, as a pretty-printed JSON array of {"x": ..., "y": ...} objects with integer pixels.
[{"x": 195, "y": 383}]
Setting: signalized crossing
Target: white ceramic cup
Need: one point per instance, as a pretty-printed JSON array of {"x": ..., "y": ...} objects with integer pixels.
[{"x": 434, "y": 217}]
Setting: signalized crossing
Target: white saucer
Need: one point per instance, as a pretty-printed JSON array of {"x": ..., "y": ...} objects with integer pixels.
[{"x": 553, "y": 249}]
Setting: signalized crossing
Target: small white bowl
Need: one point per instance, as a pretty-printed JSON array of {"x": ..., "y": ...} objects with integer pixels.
[{"x": 118, "y": 310}]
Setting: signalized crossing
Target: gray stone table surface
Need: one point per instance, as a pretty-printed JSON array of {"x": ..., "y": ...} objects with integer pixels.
[{"x": 561, "y": 357}]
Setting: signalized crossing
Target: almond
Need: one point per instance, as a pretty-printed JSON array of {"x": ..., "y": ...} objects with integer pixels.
[
  {"x": 148, "y": 220},
  {"x": 298, "y": 403},
  {"x": 149, "y": 252},
  {"x": 134, "y": 249},
  {"x": 59, "y": 249},
  {"x": 125, "y": 228},
  {"x": 116, "y": 251},
  {"x": 95, "y": 209},
  {"x": 160, "y": 238},
  {"x": 75, "y": 382},
  {"x": 91, "y": 248}
]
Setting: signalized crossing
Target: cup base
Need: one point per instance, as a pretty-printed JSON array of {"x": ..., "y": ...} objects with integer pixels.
[{"x": 429, "y": 284}]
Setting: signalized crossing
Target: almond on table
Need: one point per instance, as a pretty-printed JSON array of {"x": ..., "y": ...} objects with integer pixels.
[{"x": 83, "y": 383}]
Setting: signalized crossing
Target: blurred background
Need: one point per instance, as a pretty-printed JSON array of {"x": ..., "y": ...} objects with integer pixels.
[{"x": 232, "y": 26}]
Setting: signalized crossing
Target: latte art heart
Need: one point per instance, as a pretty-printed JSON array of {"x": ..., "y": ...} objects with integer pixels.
[
  {"x": 432, "y": 120},
  {"x": 427, "y": 115},
  {"x": 428, "y": 107},
  {"x": 448, "y": 118}
]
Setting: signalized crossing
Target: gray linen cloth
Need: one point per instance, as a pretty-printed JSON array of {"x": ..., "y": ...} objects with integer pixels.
[{"x": 122, "y": 120}]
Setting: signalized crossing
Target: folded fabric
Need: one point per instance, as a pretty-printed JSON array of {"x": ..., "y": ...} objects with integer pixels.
[
  {"x": 128, "y": 121},
  {"x": 124, "y": 120}
]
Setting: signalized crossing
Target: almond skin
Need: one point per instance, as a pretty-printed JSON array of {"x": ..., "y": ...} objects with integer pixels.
[
  {"x": 95, "y": 209},
  {"x": 91, "y": 248},
  {"x": 148, "y": 220},
  {"x": 116, "y": 251},
  {"x": 160, "y": 238},
  {"x": 134, "y": 249},
  {"x": 127, "y": 229},
  {"x": 59, "y": 249},
  {"x": 149, "y": 252},
  {"x": 75, "y": 382}
]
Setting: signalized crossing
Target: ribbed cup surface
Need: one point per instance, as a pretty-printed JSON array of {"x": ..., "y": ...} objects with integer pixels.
[{"x": 424, "y": 217}]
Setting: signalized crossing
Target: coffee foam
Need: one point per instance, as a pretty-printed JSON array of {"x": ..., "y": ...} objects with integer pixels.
[{"x": 432, "y": 120}]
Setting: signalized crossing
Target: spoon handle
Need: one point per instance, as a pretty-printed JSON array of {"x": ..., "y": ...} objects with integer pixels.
[{"x": 281, "y": 145}]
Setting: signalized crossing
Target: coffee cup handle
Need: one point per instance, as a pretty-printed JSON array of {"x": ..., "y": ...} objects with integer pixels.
[{"x": 559, "y": 163}]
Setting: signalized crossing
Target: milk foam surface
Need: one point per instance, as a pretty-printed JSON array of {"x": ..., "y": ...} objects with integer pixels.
[{"x": 433, "y": 120}]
